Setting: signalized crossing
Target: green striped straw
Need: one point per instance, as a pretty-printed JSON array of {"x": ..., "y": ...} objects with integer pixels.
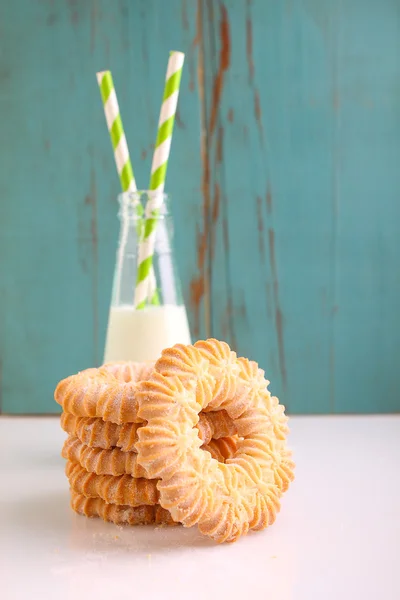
[
  {"x": 116, "y": 129},
  {"x": 122, "y": 160},
  {"x": 158, "y": 174}
]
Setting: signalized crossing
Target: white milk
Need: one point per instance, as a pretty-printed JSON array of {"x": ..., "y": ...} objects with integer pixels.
[{"x": 141, "y": 335}]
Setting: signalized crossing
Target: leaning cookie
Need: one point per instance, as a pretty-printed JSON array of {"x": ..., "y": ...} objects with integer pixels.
[{"x": 225, "y": 500}]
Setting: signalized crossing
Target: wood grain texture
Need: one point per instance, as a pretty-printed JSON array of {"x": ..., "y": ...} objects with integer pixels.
[{"x": 284, "y": 178}]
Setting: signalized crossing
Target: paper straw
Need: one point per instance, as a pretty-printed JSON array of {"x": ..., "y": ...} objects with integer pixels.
[
  {"x": 122, "y": 161},
  {"x": 158, "y": 174},
  {"x": 116, "y": 130}
]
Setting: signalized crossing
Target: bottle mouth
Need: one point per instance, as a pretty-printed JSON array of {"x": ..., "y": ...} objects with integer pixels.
[
  {"x": 144, "y": 204},
  {"x": 143, "y": 197}
]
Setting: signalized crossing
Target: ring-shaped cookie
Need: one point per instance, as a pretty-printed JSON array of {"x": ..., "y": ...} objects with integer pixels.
[
  {"x": 116, "y": 462},
  {"x": 101, "y": 405},
  {"x": 120, "y": 514},
  {"x": 124, "y": 489},
  {"x": 96, "y": 433},
  {"x": 225, "y": 500},
  {"x": 108, "y": 392}
]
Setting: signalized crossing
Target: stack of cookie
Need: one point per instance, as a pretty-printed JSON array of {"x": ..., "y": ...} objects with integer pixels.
[
  {"x": 193, "y": 438},
  {"x": 105, "y": 477}
]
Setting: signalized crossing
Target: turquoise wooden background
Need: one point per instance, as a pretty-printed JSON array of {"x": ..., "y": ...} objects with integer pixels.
[{"x": 285, "y": 180}]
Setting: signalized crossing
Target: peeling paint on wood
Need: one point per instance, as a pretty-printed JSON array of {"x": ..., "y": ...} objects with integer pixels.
[
  {"x": 203, "y": 290},
  {"x": 278, "y": 310},
  {"x": 249, "y": 47},
  {"x": 260, "y": 226},
  {"x": 224, "y": 58},
  {"x": 91, "y": 200}
]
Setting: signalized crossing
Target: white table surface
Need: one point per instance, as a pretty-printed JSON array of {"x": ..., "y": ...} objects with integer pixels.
[{"x": 337, "y": 536}]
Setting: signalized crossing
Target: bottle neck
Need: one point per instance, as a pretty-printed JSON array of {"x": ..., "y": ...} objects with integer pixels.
[{"x": 145, "y": 252}]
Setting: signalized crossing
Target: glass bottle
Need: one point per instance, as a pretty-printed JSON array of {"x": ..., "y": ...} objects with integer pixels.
[{"x": 141, "y": 333}]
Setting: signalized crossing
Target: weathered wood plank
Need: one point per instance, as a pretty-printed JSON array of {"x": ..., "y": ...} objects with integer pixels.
[{"x": 284, "y": 175}]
